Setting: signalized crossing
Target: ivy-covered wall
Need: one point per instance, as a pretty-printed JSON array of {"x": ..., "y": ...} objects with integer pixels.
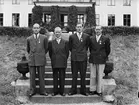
[
  {"x": 72, "y": 18},
  {"x": 37, "y": 14}
]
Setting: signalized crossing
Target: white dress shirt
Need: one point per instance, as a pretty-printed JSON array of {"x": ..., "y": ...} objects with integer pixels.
[
  {"x": 58, "y": 40},
  {"x": 98, "y": 37},
  {"x": 36, "y": 35},
  {"x": 79, "y": 35}
]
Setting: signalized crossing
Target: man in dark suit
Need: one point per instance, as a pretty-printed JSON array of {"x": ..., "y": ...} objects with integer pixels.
[
  {"x": 99, "y": 50},
  {"x": 37, "y": 47},
  {"x": 58, "y": 52},
  {"x": 78, "y": 45}
]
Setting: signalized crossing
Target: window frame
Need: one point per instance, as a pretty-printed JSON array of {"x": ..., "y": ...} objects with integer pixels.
[
  {"x": 127, "y": 19},
  {"x": 15, "y": 2},
  {"x": 125, "y": 3},
  {"x": 98, "y": 19},
  {"x": 111, "y": 2},
  {"x": 111, "y": 19},
  {"x": 80, "y": 18},
  {"x": 17, "y": 21},
  {"x": 1, "y": 17}
]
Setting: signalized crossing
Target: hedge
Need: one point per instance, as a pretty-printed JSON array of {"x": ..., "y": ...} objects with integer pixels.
[
  {"x": 114, "y": 30},
  {"x": 117, "y": 30},
  {"x": 15, "y": 31}
]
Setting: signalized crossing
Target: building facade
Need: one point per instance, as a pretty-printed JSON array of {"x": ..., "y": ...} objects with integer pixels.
[{"x": 108, "y": 12}]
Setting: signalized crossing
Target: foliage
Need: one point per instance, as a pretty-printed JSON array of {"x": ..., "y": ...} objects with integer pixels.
[
  {"x": 37, "y": 14},
  {"x": 114, "y": 30},
  {"x": 55, "y": 15},
  {"x": 91, "y": 18},
  {"x": 72, "y": 18},
  {"x": 15, "y": 31}
]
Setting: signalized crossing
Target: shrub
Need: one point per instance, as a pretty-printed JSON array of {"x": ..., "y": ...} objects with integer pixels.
[
  {"x": 15, "y": 31},
  {"x": 72, "y": 18},
  {"x": 37, "y": 14},
  {"x": 115, "y": 30},
  {"x": 90, "y": 20},
  {"x": 55, "y": 21}
]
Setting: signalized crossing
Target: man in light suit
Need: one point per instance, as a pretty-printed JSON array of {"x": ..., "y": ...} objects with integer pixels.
[
  {"x": 99, "y": 50},
  {"x": 58, "y": 52},
  {"x": 78, "y": 45},
  {"x": 37, "y": 47}
]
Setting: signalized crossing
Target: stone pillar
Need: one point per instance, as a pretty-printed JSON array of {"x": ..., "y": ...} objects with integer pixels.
[
  {"x": 108, "y": 88},
  {"x": 21, "y": 90}
]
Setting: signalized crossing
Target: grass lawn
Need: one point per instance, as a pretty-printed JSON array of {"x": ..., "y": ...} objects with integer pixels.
[{"x": 123, "y": 53}]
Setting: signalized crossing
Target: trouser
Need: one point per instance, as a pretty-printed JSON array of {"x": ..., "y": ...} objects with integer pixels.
[
  {"x": 41, "y": 71},
  {"x": 80, "y": 66},
  {"x": 59, "y": 73},
  {"x": 96, "y": 74}
]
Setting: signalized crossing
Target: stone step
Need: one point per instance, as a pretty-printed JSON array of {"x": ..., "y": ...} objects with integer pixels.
[
  {"x": 80, "y": 99},
  {"x": 49, "y": 88},
  {"x": 68, "y": 81},
  {"x": 67, "y": 75},
  {"x": 49, "y": 68},
  {"x": 48, "y": 63}
]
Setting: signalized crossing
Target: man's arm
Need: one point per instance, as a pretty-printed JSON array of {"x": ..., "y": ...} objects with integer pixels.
[
  {"x": 46, "y": 44},
  {"x": 28, "y": 46},
  {"x": 107, "y": 47},
  {"x": 50, "y": 48},
  {"x": 67, "y": 48},
  {"x": 70, "y": 43}
]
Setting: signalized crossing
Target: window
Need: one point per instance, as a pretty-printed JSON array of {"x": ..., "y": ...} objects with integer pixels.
[
  {"x": 15, "y": 19},
  {"x": 97, "y": 19},
  {"x": 29, "y": 20},
  {"x": 1, "y": 19},
  {"x": 1, "y": 1},
  {"x": 126, "y": 20},
  {"x": 81, "y": 18},
  {"x": 47, "y": 18},
  {"x": 15, "y": 2},
  {"x": 111, "y": 2},
  {"x": 111, "y": 20},
  {"x": 127, "y": 2},
  {"x": 30, "y": 2},
  {"x": 97, "y": 2}
]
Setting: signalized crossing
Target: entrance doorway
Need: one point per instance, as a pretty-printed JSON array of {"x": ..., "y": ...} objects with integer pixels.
[{"x": 64, "y": 20}]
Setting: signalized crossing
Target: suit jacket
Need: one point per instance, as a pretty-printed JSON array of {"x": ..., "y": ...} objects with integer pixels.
[
  {"x": 78, "y": 47},
  {"x": 58, "y": 53},
  {"x": 37, "y": 49},
  {"x": 100, "y": 50}
]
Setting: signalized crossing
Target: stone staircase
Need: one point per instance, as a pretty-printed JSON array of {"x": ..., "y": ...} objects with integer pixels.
[{"x": 68, "y": 81}]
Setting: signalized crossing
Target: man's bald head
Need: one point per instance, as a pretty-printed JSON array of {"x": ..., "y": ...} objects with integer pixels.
[
  {"x": 57, "y": 29},
  {"x": 58, "y": 32}
]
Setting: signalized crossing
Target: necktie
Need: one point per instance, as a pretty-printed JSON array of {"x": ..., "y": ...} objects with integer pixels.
[{"x": 36, "y": 36}]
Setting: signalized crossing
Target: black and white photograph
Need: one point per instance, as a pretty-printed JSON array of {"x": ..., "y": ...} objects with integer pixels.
[{"x": 69, "y": 52}]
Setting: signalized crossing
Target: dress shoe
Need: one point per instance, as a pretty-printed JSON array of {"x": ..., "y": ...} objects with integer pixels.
[
  {"x": 99, "y": 94},
  {"x": 54, "y": 94},
  {"x": 72, "y": 93},
  {"x": 92, "y": 92},
  {"x": 62, "y": 94},
  {"x": 85, "y": 94},
  {"x": 31, "y": 94},
  {"x": 44, "y": 94}
]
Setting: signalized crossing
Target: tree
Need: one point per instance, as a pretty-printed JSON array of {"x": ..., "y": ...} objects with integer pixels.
[
  {"x": 72, "y": 18},
  {"x": 37, "y": 14},
  {"x": 55, "y": 15},
  {"x": 91, "y": 17}
]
